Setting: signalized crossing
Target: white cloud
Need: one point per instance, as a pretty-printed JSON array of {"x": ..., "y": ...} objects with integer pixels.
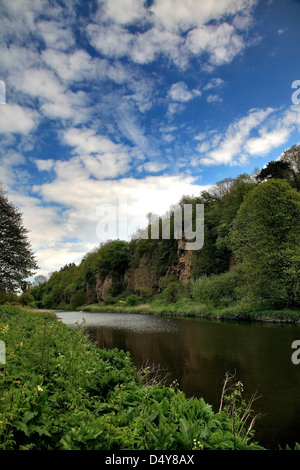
[
  {"x": 56, "y": 101},
  {"x": 112, "y": 40},
  {"x": 64, "y": 217},
  {"x": 44, "y": 165},
  {"x": 271, "y": 128},
  {"x": 179, "y": 92},
  {"x": 10, "y": 170},
  {"x": 176, "y": 14},
  {"x": 165, "y": 23},
  {"x": 99, "y": 156},
  {"x": 214, "y": 99},
  {"x": 16, "y": 119},
  {"x": 221, "y": 42},
  {"x": 16, "y": 59},
  {"x": 55, "y": 34},
  {"x": 71, "y": 67},
  {"x": 267, "y": 140},
  {"x": 231, "y": 146},
  {"x": 154, "y": 167},
  {"x": 214, "y": 83},
  {"x": 124, "y": 11}
]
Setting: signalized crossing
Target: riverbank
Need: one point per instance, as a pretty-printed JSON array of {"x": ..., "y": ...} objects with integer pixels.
[
  {"x": 60, "y": 392},
  {"x": 196, "y": 310}
]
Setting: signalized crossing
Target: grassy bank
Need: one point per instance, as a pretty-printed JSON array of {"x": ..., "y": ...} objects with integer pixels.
[
  {"x": 58, "y": 391},
  {"x": 188, "y": 308}
]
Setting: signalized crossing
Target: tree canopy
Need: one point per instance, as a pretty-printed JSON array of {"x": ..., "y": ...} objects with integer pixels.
[
  {"x": 17, "y": 262},
  {"x": 265, "y": 241}
]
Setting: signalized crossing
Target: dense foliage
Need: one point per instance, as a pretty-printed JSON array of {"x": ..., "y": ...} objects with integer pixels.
[
  {"x": 17, "y": 261},
  {"x": 59, "y": 392},
  {"x": 250, "y": 257},
  {"x": 266, "y": 243}
]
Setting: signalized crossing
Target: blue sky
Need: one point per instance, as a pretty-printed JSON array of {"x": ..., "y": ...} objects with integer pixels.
[{"x": 126, "y": 105}]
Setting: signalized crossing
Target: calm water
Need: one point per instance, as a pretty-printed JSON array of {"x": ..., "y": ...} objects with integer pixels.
[{"x": 198, "y": 353}]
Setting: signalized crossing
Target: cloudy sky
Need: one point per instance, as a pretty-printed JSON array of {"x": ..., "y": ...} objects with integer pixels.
[{"x": 126, "y": 105}]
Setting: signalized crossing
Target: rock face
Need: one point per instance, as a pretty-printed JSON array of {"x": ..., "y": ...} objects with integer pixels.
[
  {"x": 102, "y": 286},
  {"x": 144, "y": 276},
  {"x": 182, "y": 270}
]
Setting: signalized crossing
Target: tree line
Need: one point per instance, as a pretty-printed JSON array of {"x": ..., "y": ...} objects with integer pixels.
[{"x": 251, "y": 235}]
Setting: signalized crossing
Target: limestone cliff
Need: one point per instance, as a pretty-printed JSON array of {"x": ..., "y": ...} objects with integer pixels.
[{"x": 145, "y": 276}]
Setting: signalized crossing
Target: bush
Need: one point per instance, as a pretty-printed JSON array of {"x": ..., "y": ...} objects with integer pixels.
[
  {"x": 217, "y": 290},
  {"x": 145, "y": 294},
  {"x": 26, "y": 298},
  {"x": 109, "y": 299},
  {"x": 132, "y": 300},
  {"x": 78, "y": 299},
  {"x": 171, "y": 292}
]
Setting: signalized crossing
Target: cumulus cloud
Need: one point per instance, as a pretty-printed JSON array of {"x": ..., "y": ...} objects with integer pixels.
[
  {"x": 271, "y": 128},
  {"x": 90, "y": 84},
  {"x": 164, "y": 27},
  {"x": 215, "y": 82},
  {"x": 85, "y": 204},
  {"x": 154, "y": 167},
  {"x": 44, "y": 165},
  {"x": 214, "y": 99},
  {"x": 267, "y": 140},
  {"x": 232, "y": 144},
  {"x": 16, "y": 119},
  {"x": 221, "y": 42},
  {"x": 99, "y": 156},
  {"x": 180, "y": 92}
]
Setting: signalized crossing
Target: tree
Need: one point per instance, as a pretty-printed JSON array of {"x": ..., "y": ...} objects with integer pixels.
[
  {"x": 292, "y": 156},
  {"x": 265, "y": 241},
  {"x": 277, "y": 170},
  {"x": 40, "y": 279},
  {"x": 26, "y": 298},
  {"x": 17, "y": 261}
]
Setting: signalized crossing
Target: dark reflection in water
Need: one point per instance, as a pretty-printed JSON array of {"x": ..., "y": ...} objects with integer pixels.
[{"x": 197, "y": 353}]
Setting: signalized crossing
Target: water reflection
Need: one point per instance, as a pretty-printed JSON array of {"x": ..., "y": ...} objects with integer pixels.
[{"x": 197, "y": 354}]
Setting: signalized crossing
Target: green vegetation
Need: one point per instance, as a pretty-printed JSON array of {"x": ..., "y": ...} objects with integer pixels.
[
  {"x": 248, "y": 266},
  {"x": 16, "y": 259},
  {"x": 59, "y": 392}
]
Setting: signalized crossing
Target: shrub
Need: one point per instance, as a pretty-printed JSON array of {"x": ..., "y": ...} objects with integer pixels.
[
  {"x": 218, "y": 289},
  {"x": 171, "y": 292},
  {"x": 109, "y": 299},
  {"x": 132, "y": 300},
  {"x": 26, "y": 298},
  {"x": 145, "y": 294},
  {"x": 78, "y": 299}
]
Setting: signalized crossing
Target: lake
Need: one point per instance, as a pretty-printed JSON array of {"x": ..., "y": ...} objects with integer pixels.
[{"x": 197, "y": 353}]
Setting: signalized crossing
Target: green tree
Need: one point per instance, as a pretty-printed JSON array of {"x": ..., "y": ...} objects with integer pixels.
[
  {"x": 292, "y": 156},
  {"x": 26, "y": 298},
  {"x": 17, "y": 261},
  {"x": 113, "y": 257},
  {"x": 266, "y": 244},
  {"x": 277, "y": 170}
]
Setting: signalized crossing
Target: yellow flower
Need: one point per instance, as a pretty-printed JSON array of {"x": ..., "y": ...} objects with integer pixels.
[{"x": 4, "y": 329}]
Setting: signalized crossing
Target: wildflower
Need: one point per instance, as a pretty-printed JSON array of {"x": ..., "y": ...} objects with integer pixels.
[
  {"x": 4, "y": 329},
  {"x": 39, "y": 389}
]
